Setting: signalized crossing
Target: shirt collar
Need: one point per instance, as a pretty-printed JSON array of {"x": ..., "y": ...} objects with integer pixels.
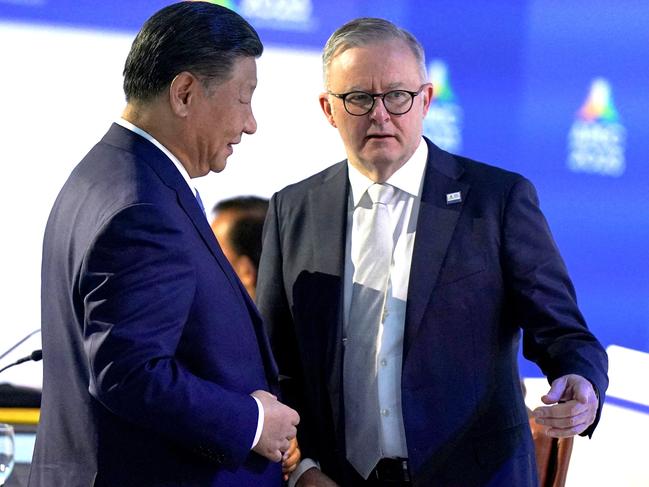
[
  {"x": 408, "y": 178},
  {"x": 181, "y": 169}
]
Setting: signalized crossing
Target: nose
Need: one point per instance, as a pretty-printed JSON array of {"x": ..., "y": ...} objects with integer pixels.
[
  {"x": 378, "y": 113},
  {"x": 250, "y": 126}
]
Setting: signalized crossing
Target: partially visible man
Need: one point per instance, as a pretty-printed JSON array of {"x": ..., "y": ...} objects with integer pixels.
[
  {"x": 396, "y": 285},
  {"x": 238, "y": 224},
  {"x": 144, "y": 383}
]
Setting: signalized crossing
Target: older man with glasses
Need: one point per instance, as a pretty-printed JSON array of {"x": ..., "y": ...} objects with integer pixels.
[{"x": 396, "y": 283}]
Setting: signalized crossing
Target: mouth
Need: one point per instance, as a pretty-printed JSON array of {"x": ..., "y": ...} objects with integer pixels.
[{"x": 379, "y": 136}]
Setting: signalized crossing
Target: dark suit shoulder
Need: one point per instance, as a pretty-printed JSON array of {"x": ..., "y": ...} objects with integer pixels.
[
  {"x": 487, "y": 171},
  {"x": 301, "y": 188},
  {"x": 475, "y": 173}
]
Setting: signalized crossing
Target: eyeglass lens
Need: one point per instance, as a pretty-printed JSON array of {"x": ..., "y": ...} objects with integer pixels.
[{"x": 396, "y": 102}]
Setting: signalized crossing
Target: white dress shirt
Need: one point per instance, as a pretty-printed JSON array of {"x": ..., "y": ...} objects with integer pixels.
[{"x": 403, "y": 210}]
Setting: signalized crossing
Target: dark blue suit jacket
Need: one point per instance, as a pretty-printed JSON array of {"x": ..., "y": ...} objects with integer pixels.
[
  {"x": 151, "y": 346},
  {"x": 482, "y": 270}
]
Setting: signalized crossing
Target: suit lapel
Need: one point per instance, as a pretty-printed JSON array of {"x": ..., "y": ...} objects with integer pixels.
[
  {"x": 164, "y": 168},
  {"x": 435, "y": 226},
  {"x": 328, "y": 219},
  {"x": 167, "y": 172},
  {"x": 188, "y": 202}
]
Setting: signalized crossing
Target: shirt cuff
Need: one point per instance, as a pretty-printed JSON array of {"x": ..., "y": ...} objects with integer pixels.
[
  {"x": 303, "y": 466},
  {"x": 260, "y": 422}
]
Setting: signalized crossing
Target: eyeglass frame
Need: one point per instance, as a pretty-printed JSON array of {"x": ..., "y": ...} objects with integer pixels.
[{"x": 343, "y": 96}]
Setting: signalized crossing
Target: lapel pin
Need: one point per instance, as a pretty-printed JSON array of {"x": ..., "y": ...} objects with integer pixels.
[{"x": 453, "y": 198}]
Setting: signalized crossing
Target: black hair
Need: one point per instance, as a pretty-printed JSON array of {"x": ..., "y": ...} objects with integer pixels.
[
  {"x": 245, "y": 233},
  {"x": 246, "y": 237},
  {"x": 199, "y": 37}
]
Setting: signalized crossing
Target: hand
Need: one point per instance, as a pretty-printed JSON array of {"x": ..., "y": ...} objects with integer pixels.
[
  {"x": 279, "y": 428},
  {"x": 315, "y": 478},
  {"x": 291, "y": 458},
  {"x": 574, "y": 406}
]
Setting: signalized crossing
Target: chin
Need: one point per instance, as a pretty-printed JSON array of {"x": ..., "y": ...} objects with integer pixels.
[
  {"x": 218, "y": 166},
  {"x": 381, "y": 156}
]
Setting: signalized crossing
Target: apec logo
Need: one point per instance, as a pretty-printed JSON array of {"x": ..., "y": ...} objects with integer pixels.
[
  {"x": 274, "y": 14},
  {"x": 443, "y": 123},
  {"x": 279, "y": 14},
  {"x": 597, "y": 140}
]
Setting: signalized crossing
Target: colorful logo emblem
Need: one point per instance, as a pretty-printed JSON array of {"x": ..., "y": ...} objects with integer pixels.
[
  {"x": 443, "y": 123},
  {"x": 223, "y": 3},
  {"x": 293, "y": 15},
  {"x": 296, "y": 15},
  {"x": 597, "y": 139}
]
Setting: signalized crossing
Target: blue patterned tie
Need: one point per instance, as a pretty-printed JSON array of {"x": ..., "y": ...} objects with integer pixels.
[{"x": 200, "y": 201}]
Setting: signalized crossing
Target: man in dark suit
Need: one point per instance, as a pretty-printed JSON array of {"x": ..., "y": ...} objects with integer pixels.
[
  {"x": 157, "y": 370},
  {"x": 396, "y": 284}
]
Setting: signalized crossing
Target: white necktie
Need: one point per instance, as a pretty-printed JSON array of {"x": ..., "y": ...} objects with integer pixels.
[{"x": 362, "y": 420}]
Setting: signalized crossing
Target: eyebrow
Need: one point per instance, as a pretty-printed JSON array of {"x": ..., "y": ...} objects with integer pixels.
[{"x": 397, "y": 85}]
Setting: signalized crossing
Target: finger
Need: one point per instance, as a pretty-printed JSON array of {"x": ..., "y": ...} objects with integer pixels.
[
  {"x": 289, "y": 465},
  {"x": 291, "y": 433},
  {"x": 570, "y": 424},
  {"x": 284, "y": 446},
  {"x": 275, "y": 456},
  {"x": 557, "y": 389},
  {"x": 291, "y": 458},
  {"x": 295, "y": 419},
  {"x": 291, "y": 448},
  {"x": 568, "y": 432},
  {"x": 563, "y": 410}
]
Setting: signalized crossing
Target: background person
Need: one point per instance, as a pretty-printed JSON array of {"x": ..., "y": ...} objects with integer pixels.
[{"x": 238, "y": 224}]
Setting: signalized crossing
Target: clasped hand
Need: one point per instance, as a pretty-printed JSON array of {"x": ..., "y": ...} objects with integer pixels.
[{"x": 280, "y": 427}]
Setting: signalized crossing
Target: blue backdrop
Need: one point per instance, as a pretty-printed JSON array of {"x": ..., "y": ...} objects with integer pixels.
[{"x": 552, "y": 89}]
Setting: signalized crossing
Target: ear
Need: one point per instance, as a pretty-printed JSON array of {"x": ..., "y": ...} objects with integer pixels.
[
  {"x": 246, "y": 271},
  {"x": 427, "y": 94},
  {"x": 325, "y": 104},
  {"x": 182, "y": 91}
]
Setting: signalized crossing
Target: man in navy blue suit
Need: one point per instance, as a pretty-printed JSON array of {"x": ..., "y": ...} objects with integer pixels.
[
  {"x": 396, "y": 284},
  {"x": 157, "y": 369}
]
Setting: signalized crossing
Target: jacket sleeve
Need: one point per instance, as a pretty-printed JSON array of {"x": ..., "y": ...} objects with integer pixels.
[
  {"x": 555, "y": 334},
  {"x": 138, "y": 285}
]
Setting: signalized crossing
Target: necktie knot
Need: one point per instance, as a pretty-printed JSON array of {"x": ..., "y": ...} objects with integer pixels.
[{"x": 380, "y": 193}]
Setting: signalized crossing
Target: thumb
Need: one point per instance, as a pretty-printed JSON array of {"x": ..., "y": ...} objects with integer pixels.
[
  {"x": 584, "y": 391},
  {"x": 557, "y": 389},
  {"x": 261, "y": 394}
]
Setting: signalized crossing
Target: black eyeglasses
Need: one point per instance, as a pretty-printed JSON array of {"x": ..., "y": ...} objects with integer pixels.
[{"x": 396, "y": 102}]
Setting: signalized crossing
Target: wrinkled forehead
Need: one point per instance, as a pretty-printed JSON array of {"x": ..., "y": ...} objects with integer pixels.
[{"x": 385, "y": 62}]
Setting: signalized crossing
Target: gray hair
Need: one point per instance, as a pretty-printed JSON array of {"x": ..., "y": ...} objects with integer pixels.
[{"x": 369, "y": 30}]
